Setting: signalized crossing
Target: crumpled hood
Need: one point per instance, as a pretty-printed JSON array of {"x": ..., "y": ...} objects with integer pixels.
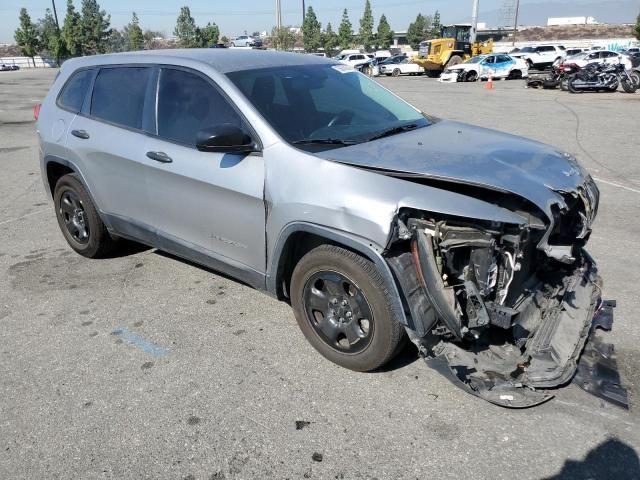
[{"x": 467, "y": 154}]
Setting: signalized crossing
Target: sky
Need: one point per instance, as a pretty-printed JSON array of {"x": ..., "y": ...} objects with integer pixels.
[{"x": 234, "y": 18}]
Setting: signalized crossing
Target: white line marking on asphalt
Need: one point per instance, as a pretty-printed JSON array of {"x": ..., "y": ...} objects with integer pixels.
[
  {"x": 617, "y": 185},
  {"x": 25, "y": 216}
]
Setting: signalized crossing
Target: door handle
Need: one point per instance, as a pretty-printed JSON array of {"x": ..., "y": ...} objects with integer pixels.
[
  {"x": 80, "y": 134},
  {"x": 159, "y": 157}
]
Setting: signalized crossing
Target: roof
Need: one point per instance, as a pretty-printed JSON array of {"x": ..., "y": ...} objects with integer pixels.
[{"x": 224, "y": 60}]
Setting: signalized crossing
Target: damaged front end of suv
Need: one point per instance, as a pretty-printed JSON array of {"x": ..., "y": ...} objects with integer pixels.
[{"x": 503, "y": 310}]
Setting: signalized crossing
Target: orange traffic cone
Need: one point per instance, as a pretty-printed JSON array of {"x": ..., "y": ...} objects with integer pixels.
[{"x": 490, "y": 83}]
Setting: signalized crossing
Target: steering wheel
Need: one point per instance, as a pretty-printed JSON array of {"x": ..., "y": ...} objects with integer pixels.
[{"x": 342, "y": 118}]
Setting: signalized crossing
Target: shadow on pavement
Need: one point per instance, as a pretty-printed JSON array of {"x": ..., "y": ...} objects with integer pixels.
[{"x": 612, "y": 459}]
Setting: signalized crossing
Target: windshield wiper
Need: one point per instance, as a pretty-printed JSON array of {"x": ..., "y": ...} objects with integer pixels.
[
  {"x": 394, "y": 131},
  {"x": 323, "y": 141}
]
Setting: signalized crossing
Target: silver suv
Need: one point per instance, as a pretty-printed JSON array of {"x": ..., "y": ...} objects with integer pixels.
[{"x": 311, "y": 182}]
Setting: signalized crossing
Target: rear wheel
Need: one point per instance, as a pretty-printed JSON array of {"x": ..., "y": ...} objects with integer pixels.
[
  {"x": 343, "y": 307},
  {"x": 515, "y": 75},
  {"x": 79, "y": 220}
]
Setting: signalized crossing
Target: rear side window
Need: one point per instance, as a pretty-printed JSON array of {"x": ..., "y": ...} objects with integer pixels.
[
  {"x": 188, "y": 103},
  {"x": 73, "y": 93},
  {"x": 118, "y": 95}
]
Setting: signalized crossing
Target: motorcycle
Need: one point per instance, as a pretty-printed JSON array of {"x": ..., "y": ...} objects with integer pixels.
[
  {"x": 557, "y": 77},
  {"x": 597, "y": 77}
]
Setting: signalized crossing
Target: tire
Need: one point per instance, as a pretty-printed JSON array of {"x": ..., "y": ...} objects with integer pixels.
[
  {"x": 396, "y": 72},
  {"x": 564, "y": 85},
  {"x": 635, "y": 77},
  {"x": 470, "y": 76},
  {"x": 570, "y": 86},
  {"x": 515, "y": 75},
  {"x": 454, "y": 60},
  {"x": 629, "y": 86},
  {"x": 322, "y": 281},
  {"x": 78, "y": 219}
]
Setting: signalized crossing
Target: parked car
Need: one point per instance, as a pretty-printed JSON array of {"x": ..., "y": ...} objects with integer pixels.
[
  {"x": 246, "y": 41},
  {"x": 4, "y": 67},
  {"x": 542, "y": 56},
  {"x": 482, "y": 67},
  {"x": 355, "y": 59},
  {"x": 599, "y": 56},
  {"x": 308, "y": 180},
  {"x": 574, "y": 51},
  {"x": 403, "y": 67}
]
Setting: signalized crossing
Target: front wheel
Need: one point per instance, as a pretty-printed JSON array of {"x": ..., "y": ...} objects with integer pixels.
[
  {"x": 343, "y": 308},
  {"x": 395, "y": 73}
]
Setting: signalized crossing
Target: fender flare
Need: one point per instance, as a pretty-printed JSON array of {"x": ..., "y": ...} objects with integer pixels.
[{"x": 354, "y": 242}]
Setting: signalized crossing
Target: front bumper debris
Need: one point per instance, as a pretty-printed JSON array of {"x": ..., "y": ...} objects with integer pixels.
[
  {"x": 597, "y": 371},
  {"x": 521, "y": 376}
]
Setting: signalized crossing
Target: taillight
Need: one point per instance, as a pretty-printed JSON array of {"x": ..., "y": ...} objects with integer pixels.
[{"x": 36, "y": 111}]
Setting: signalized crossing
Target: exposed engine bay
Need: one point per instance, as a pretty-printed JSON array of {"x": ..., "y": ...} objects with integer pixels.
[{"x": 504, "y": 311}]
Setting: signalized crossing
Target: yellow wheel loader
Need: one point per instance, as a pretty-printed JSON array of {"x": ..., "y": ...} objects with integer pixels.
[{"x": 455, "y": 46}]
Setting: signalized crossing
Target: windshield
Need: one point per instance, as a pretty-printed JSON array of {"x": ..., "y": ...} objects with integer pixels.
[
  {"x": 477, "y": 59},
  {"x": 315, "y": 104}
]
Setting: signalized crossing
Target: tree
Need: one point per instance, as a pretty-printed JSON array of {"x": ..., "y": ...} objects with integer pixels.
[
  {"x": 94, "y": 27},
  {"x": 71, "y": 30},
  {"x": 434, "y": 32},
  {"x": 311, "y": 31},
  {"x": 283, "y": 38},
  {"x": 136, "y": 38},
  {"x": 366, "y": 26},
  {"x": 416, "y": 31},
  {"x": 51, "y": 37},
  {"x": 151, "y": 39},
  {"x": 345, "y": 33},
  {"x": 385, "y": 34},
  {"x": 118, "y": 41},
  {"x": 186, "y": 30},
  {"x": 329, "y": 39},
  {"x": 209, "y": 35},
  {"x": 637, "y": 29},
  {"x": 27, "y": 36}
]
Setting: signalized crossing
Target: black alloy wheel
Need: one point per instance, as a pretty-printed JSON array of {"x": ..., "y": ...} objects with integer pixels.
[
  {"x": 338, "y": 312},
  {"x": 74, "y": 216}
]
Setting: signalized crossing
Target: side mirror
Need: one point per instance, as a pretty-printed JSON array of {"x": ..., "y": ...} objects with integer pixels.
[{"x": 224, "y": 138}]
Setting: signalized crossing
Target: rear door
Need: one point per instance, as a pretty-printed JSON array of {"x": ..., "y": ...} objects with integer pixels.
[
  {"x": 108, "y": 139},
  {"x": 205, "y": 201}
]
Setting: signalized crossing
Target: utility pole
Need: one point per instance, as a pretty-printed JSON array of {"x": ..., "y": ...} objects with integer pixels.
[
  {"x": 278, "y": 15},
  {"x": 515, "y": 24},
  {"x": 304, "y": 12},
  {"x": 474, "y": 21},
  {"x": 55, "y": 14}
]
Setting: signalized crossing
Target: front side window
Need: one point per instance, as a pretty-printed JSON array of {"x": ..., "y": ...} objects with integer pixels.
[
  {"x": 73, "y": 93},
  {"x": 118, "y": 95},
  {"x": 325, "y": 102},
  {"x": 187, "y": 103}
]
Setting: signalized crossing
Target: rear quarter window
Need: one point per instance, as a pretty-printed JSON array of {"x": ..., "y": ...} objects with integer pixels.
[
  {"x": 75, "y": 90},
  {"x": 118, "y": 95}
]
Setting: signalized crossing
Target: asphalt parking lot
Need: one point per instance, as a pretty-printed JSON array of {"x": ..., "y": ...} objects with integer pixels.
[{"x": 142, "y": 366}]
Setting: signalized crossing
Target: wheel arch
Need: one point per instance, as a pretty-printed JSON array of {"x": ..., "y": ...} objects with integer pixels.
[
  {"x": 55, "y": 168},
  {"x": 297, "y": 239}
]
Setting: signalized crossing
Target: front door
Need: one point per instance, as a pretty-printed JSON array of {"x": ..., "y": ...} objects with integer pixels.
[{"x": 209, "y": 202}]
